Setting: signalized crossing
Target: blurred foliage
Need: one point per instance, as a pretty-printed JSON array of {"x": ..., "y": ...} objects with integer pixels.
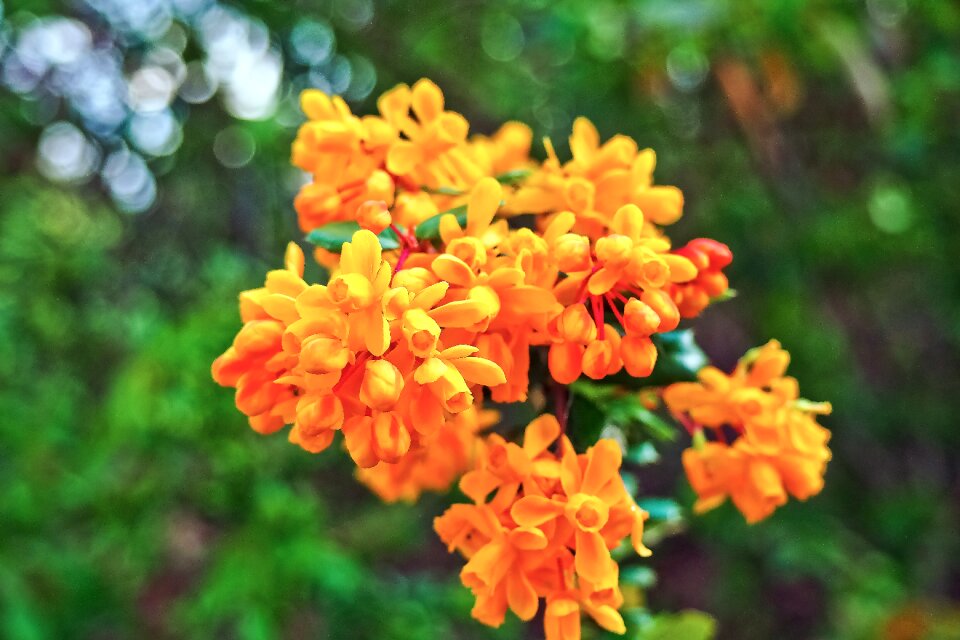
[{"x": 818, "y": 139}]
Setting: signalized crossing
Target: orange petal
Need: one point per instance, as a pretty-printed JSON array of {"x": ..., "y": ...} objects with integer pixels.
[
  {"x": 540, "y": 434},
  {"x": 483, "y": 205},
  {"x": 592, "y": 559},
  {"x": 478, "y": 484},
  {"x": 528, "y": 539},
  {"x": 460, "y": 313},
  {"x": 358, "y": 436},
  {"x": 480, "y": 371},
  {"x": 521, "y": 596},
  {"x": 453, "y": 270},
  {"x": 602, "y": 281},
  {"x": 458, "y": 351},
  {"x": 603, "y": 464},
  {"x": 527, "y": 299},
  {"x": 608, "y": 618},
  {"x": 403, "y": 157},
  {"x": 293, "y": 259},
  {"x": 426, "y": 100},
  {"x": 532, "y": 511},
  {"x": 281, "y": 307}
]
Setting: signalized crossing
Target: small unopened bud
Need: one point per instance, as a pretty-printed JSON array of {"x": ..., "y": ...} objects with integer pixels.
[
  {"x": 575, "y": 325},
  {"x": 391, "y": 439},
  {"x": 323, "y": 355},
  {"x": 639, "y": 318},
  {"x": 374, "y": 216},
  {"x": 382, "y": 384},
  {"x": 572, "y": 252},
  {"x": 639, "y": 355},
  {"x": 664, "y": 306}
]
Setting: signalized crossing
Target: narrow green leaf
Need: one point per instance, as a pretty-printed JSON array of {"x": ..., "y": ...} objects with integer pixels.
[
  {"x": 514, "y": 177},
  {"x": 332, "y": 236},
  {"x": 587, "y": 420},
  {"x": 729, "y": 294},
  {"x": 429, "y": 229},
  {"x": 443, "y": 191}
]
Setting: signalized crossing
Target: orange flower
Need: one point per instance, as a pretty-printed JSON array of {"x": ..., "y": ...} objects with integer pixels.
[
  {"x": 546, "y": 532},
  {"x": 778, "y": 450},
  {"x": 356, "y": 355},
  {"x": 597, "y": 181}
]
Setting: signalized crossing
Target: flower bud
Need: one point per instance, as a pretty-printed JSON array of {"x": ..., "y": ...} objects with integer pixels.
[
  {"x": 374, "y": 216},
  {"x": 639, "y": 319},
  {"x": 414, "y": 279},
  {"x": 565, "y": 361},
  {"x": 391, "y": 439},
  {"x": 572, "y": 253},
  {"x": 639, "y": 355},
  {"x": 317, "y": 416},
  {"x": 320, "y": 354},
  {"x": 452, "y": 391},
  {"x": 664, "y": 306},
  {"x": 575, "y": 324},
  {"x": 258, "y": 336},
  {"x": 602, "y": 357},
  {"x": 614, "y": 250},
  {"x": 382, "y": 384}
]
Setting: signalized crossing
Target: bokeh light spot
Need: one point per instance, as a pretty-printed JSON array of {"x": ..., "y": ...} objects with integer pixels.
[
  {"x": 234, "y": 147},
  {"x": 65, "y": 155},
  {"x": 687, "y": 67},
  {"x": 501, "y": 37},
  {"x": 890, "y": 208},
  {"x": 312, "y": 42}
]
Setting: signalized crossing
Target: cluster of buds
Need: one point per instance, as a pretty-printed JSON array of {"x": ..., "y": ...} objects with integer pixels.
[
  {"x": 439, "y": 298},
  {"x": 765, "y": 440},
  {"x": 541, "y": 526}
]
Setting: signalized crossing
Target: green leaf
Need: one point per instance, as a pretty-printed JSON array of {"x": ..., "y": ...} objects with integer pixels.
[
  {"x": 443, "y": 191},
  {"x": 623, "y": 409},
  {"x": 429, "y": 229},
  {"x": 688, "y": 625},
  {"x": 729, "y": 294},
  {"x": 332, "y": 236},
  {"x": 514, "y": 177},
  {"x": 586, "y": 421}
]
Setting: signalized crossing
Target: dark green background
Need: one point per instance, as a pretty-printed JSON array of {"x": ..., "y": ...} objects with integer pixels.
[{"x": 134, "y": 501}]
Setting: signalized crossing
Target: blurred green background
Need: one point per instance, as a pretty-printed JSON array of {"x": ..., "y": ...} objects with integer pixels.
[{"x": 144, "y": 181}]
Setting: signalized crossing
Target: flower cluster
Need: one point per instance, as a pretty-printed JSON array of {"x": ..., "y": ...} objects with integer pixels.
[
  {"x": 357, "y": 355},
  {"x": 767, "y": 442},
  {"x": 457, "y": 265},
  {"x": 542, "y": 525}
]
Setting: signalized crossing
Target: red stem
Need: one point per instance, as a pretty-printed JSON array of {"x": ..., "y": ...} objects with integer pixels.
[
  {"x": 616, "y": 312},
  {"x": 597, "y": 303},
  {"x": 404, "y": 254}
]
